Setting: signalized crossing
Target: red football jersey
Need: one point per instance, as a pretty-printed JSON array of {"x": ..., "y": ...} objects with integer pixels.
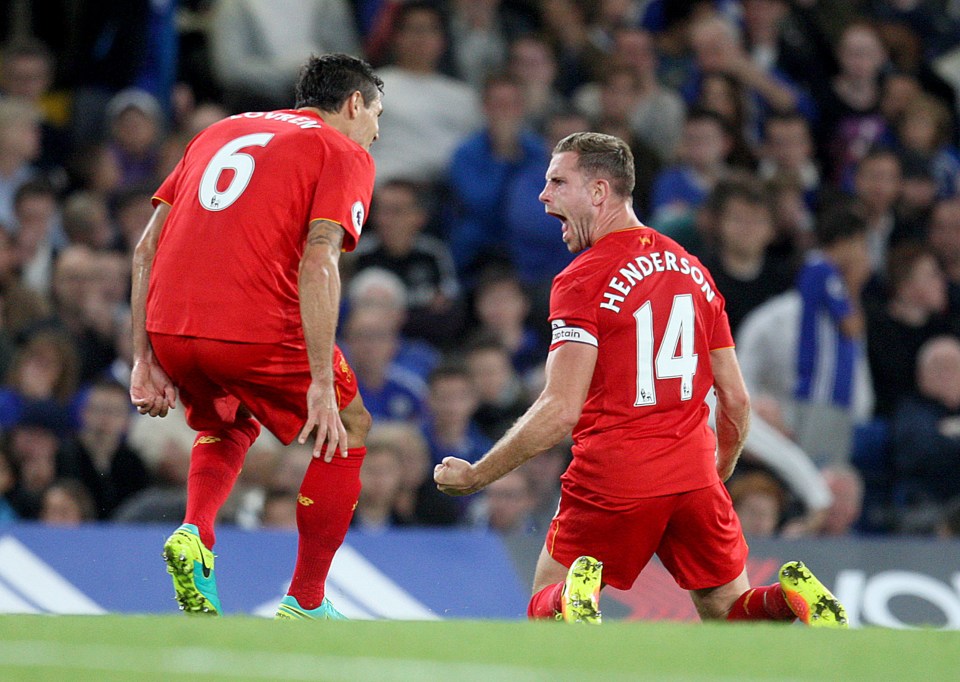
[
  {"x": 654, "y": 314},
  {"x": 242, "y": 199}
]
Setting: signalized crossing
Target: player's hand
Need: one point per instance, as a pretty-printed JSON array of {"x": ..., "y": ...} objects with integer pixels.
[
  {"x": 324, "y": 416},
  {"x": 151, "y": 390},
  {"x": 455, "y": 477}
]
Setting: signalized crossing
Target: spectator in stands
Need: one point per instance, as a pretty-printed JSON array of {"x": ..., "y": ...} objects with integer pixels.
[
  {"x": 481, "y": 170},
  {"x": 543, "y": 474},
  {"x": 846, "y": 484},
  {"x": 19, "y": 150},
  {"x": 787, "y": 150},
  {"x": 532, "y": 62},
  {"x": 257, "y": 49},
  {"x": 792, "y": 217},
  {"x": 370, "y": 342},
  {"x": 506, "y": 506},
  {"x": 20, "y": 307},
  {"x": 878, "y": 184},
  {"x": 723, "y": 94},
  {"x": 944, "y": 239},
  {"x": 132, "y": 210},
  {"x": 381, "y": 478},
  {"x": 926, "y": 429},
  {"x": 831, "y": 337},
  {"x": 913, "y": 314},
  {"x": 93, "y": 167},
  {"x": 478, "y": 33},
  {"x": 98, "y": 454},
  {"x": 679, "y": 191},
  {"x": 926, "y": 128},
  {"x": 418, "y": 134},
  {"x": 86, "y": 221},
  {"x": 136, "y": 126},
  {"x": 33, "y": 443},
  {"x": 565, "y": 26},
  {"x": 81, "y": 308},
  {"x": 502, "y": 307},
  {"x": 8, "y": 481},
  {"x": 448, "y": 426},
  {"x": 780, "y": 37},
  {"x": 434, "y": 307},
  {"x": 66, "y": 502},
  {"x": 35, "y": 210},
  {"x": 759, "y": 501},
  {"x": 279, "y": 510},
  {"x": 382, "y": 291},
  {"x": 418, "y": 502},
  {"x": 718, "y": 48},
  {"x": 44, "y": 373},
  {"x": 656, "y": 112},
  {"x": 850, "y": 121},
  {"x": 742, "y": 270},
  {"x": 499, "y": 389},
  {"x": 26, "y": 73}
]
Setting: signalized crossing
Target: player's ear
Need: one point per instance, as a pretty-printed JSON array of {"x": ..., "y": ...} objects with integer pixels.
[
  {"x": 355, "y": 103},
  {"x": 599, "y": 191}
]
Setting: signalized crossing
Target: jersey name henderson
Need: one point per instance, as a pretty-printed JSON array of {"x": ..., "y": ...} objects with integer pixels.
[{"x": 639, "y": 268}]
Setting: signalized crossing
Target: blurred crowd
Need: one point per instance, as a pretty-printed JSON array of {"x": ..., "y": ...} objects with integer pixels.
[{"x": 805, "y": 150}]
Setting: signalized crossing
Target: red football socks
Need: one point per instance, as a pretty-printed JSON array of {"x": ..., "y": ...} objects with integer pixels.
[
  {"x": 762, "y": 603},
  {"x": 546, "y": 603},
  {"x": 215, "y": 463},
  {"x": 328, "y": 496}
]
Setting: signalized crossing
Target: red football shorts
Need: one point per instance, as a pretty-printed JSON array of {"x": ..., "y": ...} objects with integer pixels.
[
  {"x": 214, "y": 378},
  {"x": 696, "y": 534}
]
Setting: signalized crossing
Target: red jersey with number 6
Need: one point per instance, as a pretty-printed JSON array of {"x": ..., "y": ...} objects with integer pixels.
[
  {"x": 242, "y": 199},
  {"x": 654, "y": 314}
]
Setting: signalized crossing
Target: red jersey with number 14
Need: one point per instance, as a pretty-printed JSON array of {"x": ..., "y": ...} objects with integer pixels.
[
  {"x": 242, "y": 199},
  {"x": 654, "y": 314}
]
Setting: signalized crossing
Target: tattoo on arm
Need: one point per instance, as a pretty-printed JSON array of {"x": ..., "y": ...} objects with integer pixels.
[{"x": 325, "y": 233}]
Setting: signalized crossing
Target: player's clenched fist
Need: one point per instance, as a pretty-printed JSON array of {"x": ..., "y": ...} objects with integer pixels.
[{"x": 455, "y": 477}]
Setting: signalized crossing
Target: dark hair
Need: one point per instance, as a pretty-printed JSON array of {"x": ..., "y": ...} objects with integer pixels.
[
  {"x": 741, "y": 186},
  {"x": 327, "y": 81},
  {"x": 839, "y": 223},
  {"x": 450, "y": 368},
  {"x": 600, "y": 155},
  {"x": 27, "y": 47},
  {"x": 38, "y": 187},
  {"x": 902, "y": 260}
]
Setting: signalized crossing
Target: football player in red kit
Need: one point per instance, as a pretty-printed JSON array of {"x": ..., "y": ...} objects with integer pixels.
[
  {"x": 640, "y": 336},
  {"x": 235, "y": 297}
]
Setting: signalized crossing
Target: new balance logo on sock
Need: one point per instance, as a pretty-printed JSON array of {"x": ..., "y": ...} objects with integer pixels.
[
  {"x": 204, "y": 440},
  {"x": 305, "y": 501}
]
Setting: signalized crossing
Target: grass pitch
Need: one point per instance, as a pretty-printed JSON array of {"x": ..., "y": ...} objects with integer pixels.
[{"x": 80, "y": 648}]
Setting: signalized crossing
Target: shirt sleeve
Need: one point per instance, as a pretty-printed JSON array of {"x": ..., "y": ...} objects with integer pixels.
[
  {"x": 167, "y": 191},
  {"x": 573, "y": 313},
  {"x": 343, "y": 193}
]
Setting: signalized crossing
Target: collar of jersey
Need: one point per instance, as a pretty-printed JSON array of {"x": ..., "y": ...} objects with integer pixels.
[{"x": 626, "y": 229}]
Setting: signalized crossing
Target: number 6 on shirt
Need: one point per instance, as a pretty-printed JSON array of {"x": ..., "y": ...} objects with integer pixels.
[{"x": 229, "y": 157}]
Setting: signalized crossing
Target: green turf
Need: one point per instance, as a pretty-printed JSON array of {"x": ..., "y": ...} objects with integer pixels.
[{"x": 144, "y": 648}]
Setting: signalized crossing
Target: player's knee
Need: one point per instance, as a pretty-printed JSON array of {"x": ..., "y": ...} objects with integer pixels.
[{"x": 357, "y": 422}]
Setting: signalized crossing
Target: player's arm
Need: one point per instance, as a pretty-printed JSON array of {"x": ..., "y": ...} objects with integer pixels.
[
  {"x": 151, "y": 390},
  {"x": 733, "y": 409},
  {"x": 319, "y": 288},
  {"x": 551, "y": 417}
]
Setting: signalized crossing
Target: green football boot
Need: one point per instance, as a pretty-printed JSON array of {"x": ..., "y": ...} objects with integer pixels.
[
  {"x": 290, "y": 609},
  {"x": 190, "y": 564}
]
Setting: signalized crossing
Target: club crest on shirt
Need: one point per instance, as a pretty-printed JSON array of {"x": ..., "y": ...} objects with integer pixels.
[{"x": 357, "y": 213}]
